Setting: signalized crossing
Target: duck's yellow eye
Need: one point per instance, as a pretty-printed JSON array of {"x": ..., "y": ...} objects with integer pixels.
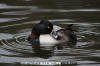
[{"x": 48, "y": 27}]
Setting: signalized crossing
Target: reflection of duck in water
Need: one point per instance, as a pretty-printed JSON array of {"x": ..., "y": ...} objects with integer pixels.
[{"x": 44, "y": 34}]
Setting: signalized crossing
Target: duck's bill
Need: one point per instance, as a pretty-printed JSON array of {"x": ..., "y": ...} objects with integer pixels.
[{"x": 54, "y": 34}]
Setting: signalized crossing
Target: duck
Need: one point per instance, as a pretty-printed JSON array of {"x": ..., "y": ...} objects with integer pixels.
[{"x": 45, "y": 33}]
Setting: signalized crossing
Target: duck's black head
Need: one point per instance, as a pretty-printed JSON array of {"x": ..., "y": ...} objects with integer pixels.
[{"x": 44, "y": 27}]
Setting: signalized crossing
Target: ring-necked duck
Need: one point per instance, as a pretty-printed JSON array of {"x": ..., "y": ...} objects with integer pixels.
[{"x": 46, "y": 34}]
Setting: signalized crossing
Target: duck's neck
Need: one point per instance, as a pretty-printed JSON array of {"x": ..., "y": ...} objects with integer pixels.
[{"x": 33, "y": 35}]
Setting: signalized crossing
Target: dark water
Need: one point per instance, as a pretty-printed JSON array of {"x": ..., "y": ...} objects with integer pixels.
[{"x": 17, "y": 17}]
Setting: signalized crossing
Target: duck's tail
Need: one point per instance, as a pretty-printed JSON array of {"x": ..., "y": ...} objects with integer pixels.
[{"x": 69, "y": 27}]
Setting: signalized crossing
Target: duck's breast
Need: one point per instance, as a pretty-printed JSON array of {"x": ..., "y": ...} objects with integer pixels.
[{"x": 47, "y": 40}]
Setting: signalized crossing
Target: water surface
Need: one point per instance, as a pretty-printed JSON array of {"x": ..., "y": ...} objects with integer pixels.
[{"x": 17, "y": 17}]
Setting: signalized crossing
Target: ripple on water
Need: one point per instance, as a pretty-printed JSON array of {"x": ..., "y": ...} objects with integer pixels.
[
  {"x": 16, "y": 48},
  {"x": 15, "y": 43},
  {"x": 5, "y": 6},
  {"x": 17, "y": 15}
]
